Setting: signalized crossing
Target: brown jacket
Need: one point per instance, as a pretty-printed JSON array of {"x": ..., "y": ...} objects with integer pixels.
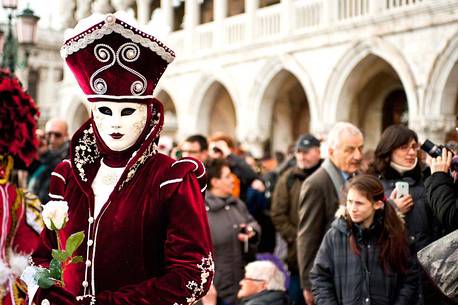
[
  {"x": 319, "y": 201},
  {"x": 285, "y": 209}
]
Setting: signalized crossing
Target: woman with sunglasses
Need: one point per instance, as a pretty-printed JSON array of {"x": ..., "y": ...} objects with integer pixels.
[
  {"x": 364, "y": 257},
  {"x": 396, "y": 160}
]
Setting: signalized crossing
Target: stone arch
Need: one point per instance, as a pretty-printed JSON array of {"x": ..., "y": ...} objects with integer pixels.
[
  {"x": 202, "y": 100},
  {"x": 341, "y": 76},
  {"x": 269, "y": 82},
  {"x": 369, "y": 71},
  {"x": 441, "y": 95},
  {"x": 77, "y": 113},
  {"x": 170, "y": 113}
]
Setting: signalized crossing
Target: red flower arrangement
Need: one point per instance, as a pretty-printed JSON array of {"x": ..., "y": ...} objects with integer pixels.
[{"x": 18, "y": 121}]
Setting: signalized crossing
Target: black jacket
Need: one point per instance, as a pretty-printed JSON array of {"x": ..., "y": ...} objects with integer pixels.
[
  {"x": 267, "y": 297},
  {"x": 224, "y": 217},
  {"x": 419, "y": 220},
  {"x": 442, "y": 198},
  {"x": 341, "y": 277}
]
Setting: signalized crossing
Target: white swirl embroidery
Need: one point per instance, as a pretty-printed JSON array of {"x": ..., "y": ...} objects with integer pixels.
[
  {"x": 128, "y": 52},
  {"x": 103, "y": 53}
]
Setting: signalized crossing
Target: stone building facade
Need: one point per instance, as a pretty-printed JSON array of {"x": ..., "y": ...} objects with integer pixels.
[{"x": 266, "y": 71}]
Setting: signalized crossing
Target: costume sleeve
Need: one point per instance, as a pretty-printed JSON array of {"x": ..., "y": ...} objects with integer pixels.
[
  {"x": 322, "y": 274},
  {"x": 280, "y": 210},
  {"x": 48, "y": 241},
  {"x": 443, "y": 200},
  {"x": 310, "y": 227},
  {"x": 188, "y": 263}
]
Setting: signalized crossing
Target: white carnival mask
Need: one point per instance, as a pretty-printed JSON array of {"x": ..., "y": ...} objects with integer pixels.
[{"x": 119, "y": 124}]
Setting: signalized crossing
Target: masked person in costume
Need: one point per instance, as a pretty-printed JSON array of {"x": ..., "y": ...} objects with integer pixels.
[
  {"x": 147, "y": 239},
  {"x": 20, "y": 222}
]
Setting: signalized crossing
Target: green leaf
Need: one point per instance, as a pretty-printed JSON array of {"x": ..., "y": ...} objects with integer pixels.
[
  {"x": 59, "y": 255},
  {"x": 76, "y": 259},
  {"x": 43, "y": 278},
  {"x": 53, "y": 226},
  {"x": 73, "y": 242},
  {"x": 55, "y": 269}
]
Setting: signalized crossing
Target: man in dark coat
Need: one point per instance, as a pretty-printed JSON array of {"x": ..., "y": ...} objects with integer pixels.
[
  {"x": 319, "y": 196},
  {"x": 56, "y": 135},
  {"x": 285, "y": 202},
  {"x": 442, "y": 191}
]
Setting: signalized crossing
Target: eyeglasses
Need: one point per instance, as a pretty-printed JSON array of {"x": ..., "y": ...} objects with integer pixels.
[
  {"x": 190, "y": 151},
  {"x": 407, "y": 147},
  {"x": 54, "y": 133},
  {"x": 252, "y": 279}
]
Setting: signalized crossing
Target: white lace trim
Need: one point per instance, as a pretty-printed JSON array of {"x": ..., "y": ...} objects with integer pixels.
[
  {"x": 207, "y": 268},
  {"x": 107, "y": 28}
]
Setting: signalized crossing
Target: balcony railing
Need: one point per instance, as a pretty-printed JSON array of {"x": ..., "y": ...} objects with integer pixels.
[{"x": 285, "y": 18}]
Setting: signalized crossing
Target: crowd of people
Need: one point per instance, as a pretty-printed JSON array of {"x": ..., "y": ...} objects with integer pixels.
[
  {"x": 206, "y": 221},
  {"x": 319, "y": 245}
]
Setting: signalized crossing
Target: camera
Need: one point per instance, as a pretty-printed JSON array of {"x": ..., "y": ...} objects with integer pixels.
[
  {"x": 432, "y": 149},
  {"x": 436, "y": 150}
]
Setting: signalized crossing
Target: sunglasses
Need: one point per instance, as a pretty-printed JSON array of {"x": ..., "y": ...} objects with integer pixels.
[{"x": 56, "y": 134}]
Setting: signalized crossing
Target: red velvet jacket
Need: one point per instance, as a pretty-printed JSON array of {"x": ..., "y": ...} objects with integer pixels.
[
  {"x": 150, "y": 244},
  {"x": 19, "y": 223}
]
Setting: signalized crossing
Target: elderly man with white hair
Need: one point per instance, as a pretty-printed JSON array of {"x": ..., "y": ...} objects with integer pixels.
[
  {"x": 263, "y": 284},
  {"x": 319, "y": 197}
]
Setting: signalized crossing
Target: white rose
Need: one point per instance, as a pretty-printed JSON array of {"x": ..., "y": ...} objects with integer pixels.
[{"x": 57, "y": 212}]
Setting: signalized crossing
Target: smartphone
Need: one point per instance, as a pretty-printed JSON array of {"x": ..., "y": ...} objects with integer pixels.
[{"x": 402, "y": 189}]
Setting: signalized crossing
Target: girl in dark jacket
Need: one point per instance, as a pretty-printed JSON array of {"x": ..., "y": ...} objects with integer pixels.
[
  {"x": 364, "y": 257},
  {"x": 396, "y": 160}
]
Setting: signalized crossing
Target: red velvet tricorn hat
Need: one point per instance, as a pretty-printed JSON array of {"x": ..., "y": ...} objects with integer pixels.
[{"x": 113, "y": 60}]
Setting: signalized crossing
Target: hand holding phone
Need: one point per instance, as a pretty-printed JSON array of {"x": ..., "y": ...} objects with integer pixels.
[{"x": 402, "y": 189}]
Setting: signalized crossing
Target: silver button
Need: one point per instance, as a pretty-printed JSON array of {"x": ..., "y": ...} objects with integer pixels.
[
  {"x": 85, "y": 284},
  {"x": 412, "y": 237},
  {"x": 367, "y": 300},
  {"x": 88, "y": 263},
  {"x": 227, "y": 207},
  {"x": 90, "y": 242},
  {"x": 91, "y": 219},
  {"x": 45, "y": 302}
]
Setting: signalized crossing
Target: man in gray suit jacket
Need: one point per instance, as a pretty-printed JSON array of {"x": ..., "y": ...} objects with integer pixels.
[{"x": 319, "y": 198}]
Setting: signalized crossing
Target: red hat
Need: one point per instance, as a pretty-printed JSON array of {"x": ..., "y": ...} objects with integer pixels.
[{"x": 112, "y": 60}]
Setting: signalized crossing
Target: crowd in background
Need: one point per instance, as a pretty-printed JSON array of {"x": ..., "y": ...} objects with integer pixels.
[{"x": 278, "y": 233}]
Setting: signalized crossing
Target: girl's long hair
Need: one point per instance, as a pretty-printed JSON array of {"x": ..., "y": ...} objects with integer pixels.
[{"x": 392, "y": 242}]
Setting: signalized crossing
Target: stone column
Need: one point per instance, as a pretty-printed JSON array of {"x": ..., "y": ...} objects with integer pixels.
[
  {"x": 122, "y": 5},
  {"x": 219, "y": 12},
  {"x": 376, "y": 6},
  {"x": 330, "y": 11},
  {"x": 83, "y": 9},
  {"x": 433, "y": 127},
  {"x": 144, "y": 11},
  {"x": 191, "y": 16},
  {"x": 102, "y": 7},
  {"x": 167, "y": 12},
  {"x": 287, "y": 17},
  {"x": 66, "y": 10},
  {"x": 250, "y": 8}
]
